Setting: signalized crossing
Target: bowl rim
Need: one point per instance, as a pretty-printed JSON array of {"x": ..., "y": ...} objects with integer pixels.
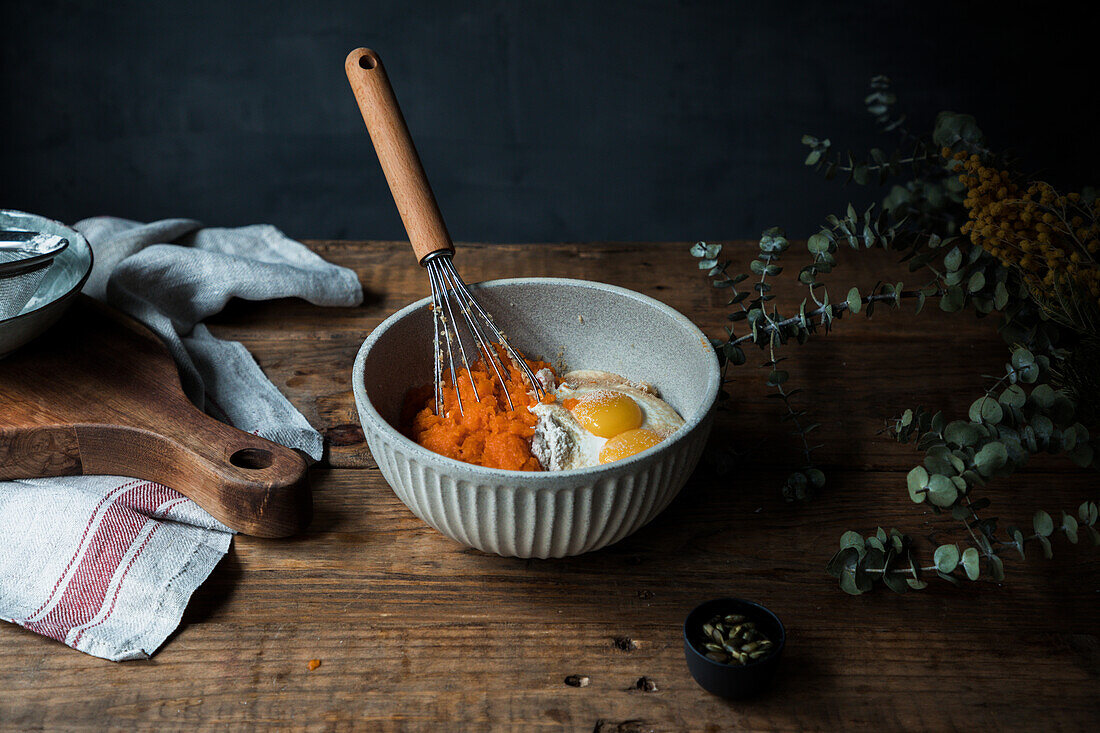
[
  {"x": 545, "y": 479},
  {"x": 77, "y": 240},
  {"x": 759, "y": 608}
]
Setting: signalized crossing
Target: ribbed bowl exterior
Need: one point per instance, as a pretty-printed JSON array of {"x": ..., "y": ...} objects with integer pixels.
[{"x": 510, "y": 519}]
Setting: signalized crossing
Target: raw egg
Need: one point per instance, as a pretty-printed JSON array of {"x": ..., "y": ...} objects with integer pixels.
[
  {"x": 606, "y": 413},
  {"x": 627, "y": 444},
  {"x": 596, "y": 417}
]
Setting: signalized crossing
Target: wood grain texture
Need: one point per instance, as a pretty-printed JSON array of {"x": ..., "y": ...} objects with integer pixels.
[
  {"x": 396, "y": 152},
  {"x": 99, "y": 394},
  {"x": 415, "y": 632}
]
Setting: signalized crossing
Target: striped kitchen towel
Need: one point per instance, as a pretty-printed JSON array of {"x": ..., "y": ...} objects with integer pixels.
[{"x": 107, "y": 564}]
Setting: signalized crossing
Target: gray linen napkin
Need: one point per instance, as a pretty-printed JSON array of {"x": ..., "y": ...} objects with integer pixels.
[{"x": 106, "y": 564}]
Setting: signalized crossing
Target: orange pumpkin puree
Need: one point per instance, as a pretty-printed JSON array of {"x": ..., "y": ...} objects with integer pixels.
[{"x": 487, "y": 433}]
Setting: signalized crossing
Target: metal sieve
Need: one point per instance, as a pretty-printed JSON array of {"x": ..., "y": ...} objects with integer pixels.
[{"x": 24, "y": 259}]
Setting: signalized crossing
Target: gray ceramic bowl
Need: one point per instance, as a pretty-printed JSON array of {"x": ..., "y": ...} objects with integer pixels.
[
  {"x": 543, "y": 514},
  {"x": 62, "y": 282}
]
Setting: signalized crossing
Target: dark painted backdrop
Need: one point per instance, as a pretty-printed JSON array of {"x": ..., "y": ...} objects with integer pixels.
[{"x": 537, "y": 121}]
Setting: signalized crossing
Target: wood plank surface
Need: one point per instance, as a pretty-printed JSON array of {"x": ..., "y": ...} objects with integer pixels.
[{"x": 415, "y": 632}]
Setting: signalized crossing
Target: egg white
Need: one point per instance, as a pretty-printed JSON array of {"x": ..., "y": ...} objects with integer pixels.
[{"x": 561, "y": 442}]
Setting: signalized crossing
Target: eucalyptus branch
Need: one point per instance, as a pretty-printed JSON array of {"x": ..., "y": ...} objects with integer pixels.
[
  {"x": 1053, "y": 332},
  {"x": 834, "y": 309}
]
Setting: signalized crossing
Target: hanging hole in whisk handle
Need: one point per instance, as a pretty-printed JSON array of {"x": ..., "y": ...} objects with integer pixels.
[{"x": 392, "y": 142}]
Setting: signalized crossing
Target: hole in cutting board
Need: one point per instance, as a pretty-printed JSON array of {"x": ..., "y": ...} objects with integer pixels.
[
  {"x": 366, "y": 62},
  {"x": 252, "y": 458}
]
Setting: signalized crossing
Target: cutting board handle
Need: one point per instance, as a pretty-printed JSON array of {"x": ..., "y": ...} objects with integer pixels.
[
  {"x": 100, "y": 394},
  {"x": 248, "y": 483},
  {"x": 404, "y": 173}
]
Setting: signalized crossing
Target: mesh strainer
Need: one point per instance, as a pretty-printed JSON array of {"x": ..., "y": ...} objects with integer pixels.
[{"x": 24, "y": 259}]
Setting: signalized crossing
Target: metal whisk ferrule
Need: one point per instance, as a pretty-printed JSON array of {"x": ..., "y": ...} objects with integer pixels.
[{"x": 451, "y": 295}]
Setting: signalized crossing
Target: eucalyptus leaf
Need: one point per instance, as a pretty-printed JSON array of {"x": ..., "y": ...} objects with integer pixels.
[
  {"x": 819, "y": 243},
  {"x": 991, "y": 457},
  {"x": 895, "y": 582},
  {"x": 1069, "y": 526},
  {"x": 938, "y": 460},
  {"x": 855, "y": 302},
  {"x": 953, "y": 300},
  {"x": 1013, "y": 396},
  {"x": 851, "y": 539},
  {"x": 941, "y": 491},
  {"x": 1042, "y": 523},
  {"x": 917, "y": 481},
  {"x": 733, "y": 353},
  {"x": 816, "y": 477},
  {"x": 970, "y": 560},
  {"x": 1043, "y": 396},
  {"x": 1048, "y": 551},
  {"x": 946, "y": 558},
  {"x": 986, "y": 409},
  {"x": 953, "y": 259},
  {"x": 961, "y": 433},
  {"x": 1043, "y": 427},
  {"x": 1018, "y": 539},
  {"x": 1022, "y": 358},
  {"x": 840, "y": 560},
  {"x": 948, "y": 577},
  {"x": 996, "y": 568},
  {"x": 875, "y": 558}
]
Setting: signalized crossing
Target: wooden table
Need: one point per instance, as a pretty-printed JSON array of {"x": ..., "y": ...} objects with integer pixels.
[{"x": 416, "y": 632}]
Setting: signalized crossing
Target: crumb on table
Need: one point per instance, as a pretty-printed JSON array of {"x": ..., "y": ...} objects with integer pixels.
[{"x": 314, "y": 664}]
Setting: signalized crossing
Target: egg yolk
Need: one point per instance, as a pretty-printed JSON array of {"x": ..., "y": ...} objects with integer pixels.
[
  {"x": 607, "y": 413},
  {"x": 627, "y": 444}
]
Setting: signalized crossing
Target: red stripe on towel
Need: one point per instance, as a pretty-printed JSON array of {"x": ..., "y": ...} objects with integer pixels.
[
  {"x": 85, "y": 593},
  {"x": 79, "y": 545}
]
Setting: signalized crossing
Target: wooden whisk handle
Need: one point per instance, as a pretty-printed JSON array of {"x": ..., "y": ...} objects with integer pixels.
[{"x": 397, "y": 154}]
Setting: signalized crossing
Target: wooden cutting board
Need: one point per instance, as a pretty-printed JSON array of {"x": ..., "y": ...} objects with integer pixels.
[{"x": 100, "y": 394}]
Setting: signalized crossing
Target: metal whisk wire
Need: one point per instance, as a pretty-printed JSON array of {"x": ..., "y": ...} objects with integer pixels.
[{"x": 448, "y": 285}]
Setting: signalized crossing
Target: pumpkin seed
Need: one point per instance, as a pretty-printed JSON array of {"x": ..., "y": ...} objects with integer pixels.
[{"x": 732, "y": 639}]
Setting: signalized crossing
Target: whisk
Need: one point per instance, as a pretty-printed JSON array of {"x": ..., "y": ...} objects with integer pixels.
[
  {"x": 24, "y": 259},
  {"x": 428, "y": 234}
]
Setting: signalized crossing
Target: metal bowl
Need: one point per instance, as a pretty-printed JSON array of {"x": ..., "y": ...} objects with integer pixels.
[
  {"x": 589, "y": 325},
  {"x": 63, "y": 281}
]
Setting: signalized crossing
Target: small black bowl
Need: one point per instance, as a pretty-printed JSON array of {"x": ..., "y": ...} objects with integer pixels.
[{"x": 733, "y": 681}]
